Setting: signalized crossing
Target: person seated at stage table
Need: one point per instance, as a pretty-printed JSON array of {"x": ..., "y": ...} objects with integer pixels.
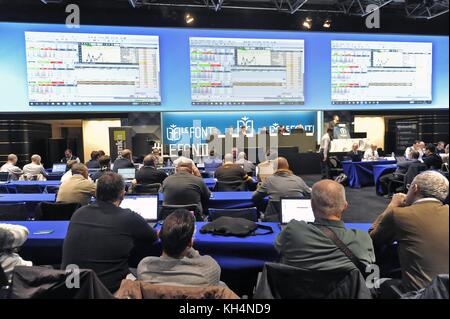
[
  {"x": 35, "y": 168},
  {"x": 93, "y": 162},
  {"x": 415, "y": 147},
  {"x": 402, "y": 168},
  {"x": 440, "y": 147},
  {"x": 105, "y": 166},
  {"x": 125, "y": 160},
  {"x": 283, "y": 183},
  {"x": 11, "y": 168},
  {"x": 148, "y": 174},
  {"x": 430, "y": 158},
  {"x": 371, "y": 154},
  {"x": 249, "y": 167},
  {"x": 419, "y": 223},
  {"x": 78, "y": 188},
  {"x": 212, "y": 162},
  {"x": 68, "y": 156},
  {"x": 354, "y": 154},
  {"x": 305, "y": 245},
  {"x": 445, "y": 155},
  {"x": 101, "y": 236},
  {"x": 231, "y": 172},
  {"x": 180, "y": 264},
  {"x": 185, "y": 187},
  {"x": 12, "y": 237}
]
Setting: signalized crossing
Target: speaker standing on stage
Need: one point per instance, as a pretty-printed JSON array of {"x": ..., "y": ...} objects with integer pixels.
[
  {"x": 325, "y": 146},
  {"x": 333, "y": 123}
]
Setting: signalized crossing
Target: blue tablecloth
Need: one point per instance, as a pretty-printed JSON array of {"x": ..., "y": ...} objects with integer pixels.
[
  {"x": 32, "y": 200},
  {"x": 380, "y": 170},
  {"x": 42, "y": 184},
  {"x": 361, "y": 173}
]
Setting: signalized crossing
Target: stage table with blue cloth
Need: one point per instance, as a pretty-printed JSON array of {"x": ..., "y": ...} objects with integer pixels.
[
  {"x": 380, "y": 170},
  {"x": 362, "y": 173},
  {"x": 239, "y": 258}
]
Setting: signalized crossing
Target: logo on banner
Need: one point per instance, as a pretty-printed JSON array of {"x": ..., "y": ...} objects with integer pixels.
[
  {"x": 173, "y": 133},
  {"x": 245, "y": 121}
]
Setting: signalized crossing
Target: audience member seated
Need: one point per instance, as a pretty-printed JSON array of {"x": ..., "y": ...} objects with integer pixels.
[
  {"x": 68, "y": 156},
  {"x": 12, "y": 237},
  {"x": 101, "y": 236},
  {"x": 415, "y": 147},
  {"x": 418, "y": 222},
  {"x": 305, "y": 245},
  {"x": 283, "y": 183},
  {"x": 10, "y": 167},
  {"x": 77, "y": 189},
  {"x": 402, "y": 168},
  {"x": 68, "y": 174},
  {"x": 354, "y": 154},
  {"x": 445, "y": 155},
  {"x": 148, "y": 174},
  {"x": 105, "y": 166},
  {"x": 440, "y": 148},
  {"x": 183, "y": 157},
  {"x": 180, "y": 264},
  {"x": 157, "y": 154},
  {"x": 184, "y": 188},
  {"x": 212, "y": 162},
  {"x": 125, "y": 160},
  {"x": 430, "y": 158},
  {"x": 93, "y": 162},
  {"x": 230, "y": 172},
  {"x": 35, "y": 168},
  {"x": 371, "y": 154},
  {"x": 249, "y": 167}
]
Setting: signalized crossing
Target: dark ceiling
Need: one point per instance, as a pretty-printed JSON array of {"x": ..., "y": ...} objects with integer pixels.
[{"x": 247, "y": 14}]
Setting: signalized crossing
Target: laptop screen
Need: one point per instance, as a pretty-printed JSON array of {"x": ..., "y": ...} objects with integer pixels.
[
  {"x": 146, "y": 206},
  {"x": 127, "y": 173},
  {"x": 298, "y": 209},
  {"x": 59, "y": 168}
]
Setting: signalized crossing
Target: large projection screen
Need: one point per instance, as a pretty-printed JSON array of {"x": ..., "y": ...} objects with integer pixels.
[{"x": 164, "y": 82}]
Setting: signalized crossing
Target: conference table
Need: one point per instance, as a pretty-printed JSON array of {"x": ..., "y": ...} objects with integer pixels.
[
  {"x": 362, "y": 173},
  {"x": 380, "y": 170},
  {"x": 31, "y": 200},
  {"x": 239, "y": 258}
]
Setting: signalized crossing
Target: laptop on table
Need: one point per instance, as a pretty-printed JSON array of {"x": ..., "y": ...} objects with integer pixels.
[
  {"x": 128, "y": 174},
  {"x": 298, "y": 209},
  {"x": 144, "y": 205},
  {"x": 59, "y": 168}
]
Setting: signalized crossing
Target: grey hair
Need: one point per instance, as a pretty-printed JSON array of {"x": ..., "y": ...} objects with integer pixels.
[
  {"x": 432, "y": 184},
  {"x": 228, "y": 158},
  {"x": 241, "y": 155},
  {"x": 329, "y": 202}
]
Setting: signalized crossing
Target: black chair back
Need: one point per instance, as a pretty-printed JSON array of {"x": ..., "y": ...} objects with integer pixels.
[
  {"x": 146, "y": 189},
  {"x": 166, "y": 210},
  {"x": 250, "y": 213},
  {"x": 4, "y": 189},
  {"x": 51, "y": 189},
  {"x": 279, "y": 281},
  {"x": 13, "y": 211},
  {"x": 235, "y": 186},
  {"x": 3, "y": 279},
  {"x": 28, "y": 189},
  {"x": 56, "y": 211}
]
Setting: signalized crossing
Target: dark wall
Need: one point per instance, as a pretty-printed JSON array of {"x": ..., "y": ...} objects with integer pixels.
[{"x": 23, "y": 139}]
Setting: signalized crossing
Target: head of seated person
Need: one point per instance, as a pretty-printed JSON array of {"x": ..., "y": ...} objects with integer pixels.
[
  {"x": 95, "y": 155},
  {"x": 281, "y": 165},
  {"x": 228, "y": 159},
  {"x": 414, "y": 155},
  {"x": 328, "y": 200},
  {"x": 70, "y": 164},
  {"x": 430, "y": 149},
  {"x": 177, "y": 233},
  {"x": 242, "y": 156},
  {"x": 12, "y": 159},
  {"x": 105, "y": 163},
  {"x": 185, "y": 167},
  {"x": 429, "y": 184},
  {"x": 126, "y": 153},
  {"x": 150, "y": 161},
  {"x": 110, "y": 188},
  {"x": 80, "y": 169}
]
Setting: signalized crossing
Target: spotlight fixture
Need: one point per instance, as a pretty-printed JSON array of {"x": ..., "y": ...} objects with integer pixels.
[
  {"x": 188, "y": 18},
  {"x": 307, "y": 23},
  {"x": 327, "y": 24}
]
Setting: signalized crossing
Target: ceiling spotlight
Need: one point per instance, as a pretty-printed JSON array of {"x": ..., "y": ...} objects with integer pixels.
[
  {"x": 327, "y": 24},
  {"x": 307, "y": 23},
  {"x": 189, "y": 18}
]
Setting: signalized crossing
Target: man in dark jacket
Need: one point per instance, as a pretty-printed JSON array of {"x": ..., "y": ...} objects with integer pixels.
[
  {"x": 93, "y": 162},
  {"x": 148, "y": 174},
  {"x": 125, "y": 160},
  {"x": 102, "y": 235},
  {"x": 430, "y": 158}
]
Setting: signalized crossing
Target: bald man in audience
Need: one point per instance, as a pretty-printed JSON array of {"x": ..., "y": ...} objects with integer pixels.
[
  {"x": 78, "y": 188},
  {"x": 35, "y": 168},
  {"x": 125, "y": 160},
  {"x": 305, "y": 245},
  {"x": 10, "y": 167},
  {"x": 283, "y": 183}
]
